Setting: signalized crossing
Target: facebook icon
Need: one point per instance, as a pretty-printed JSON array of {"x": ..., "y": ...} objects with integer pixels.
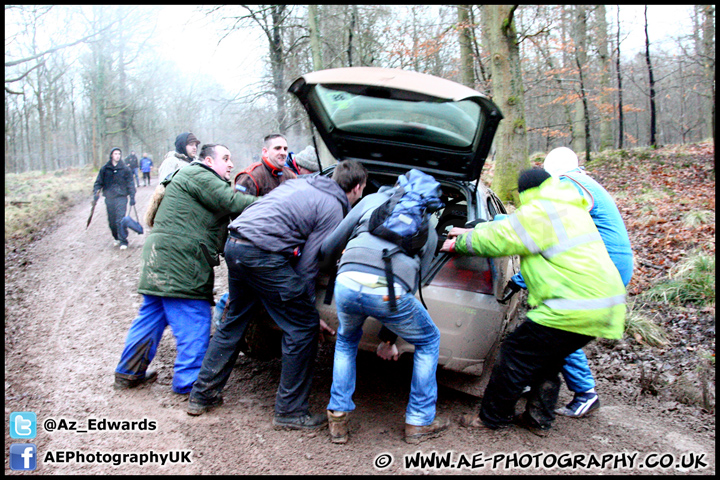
[{"x": 23, "y": 456}]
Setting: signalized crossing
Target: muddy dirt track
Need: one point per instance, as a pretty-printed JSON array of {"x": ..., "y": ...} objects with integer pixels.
[{"x": 71, "y": 296}]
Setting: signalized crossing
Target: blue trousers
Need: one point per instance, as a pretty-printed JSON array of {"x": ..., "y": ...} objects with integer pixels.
[
  {"x": 190, "y": 323},
  {"x": 411, "y": 322}
]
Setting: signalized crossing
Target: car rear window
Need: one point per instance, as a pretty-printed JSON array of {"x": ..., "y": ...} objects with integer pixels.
[{"x": 446, "y": 123}]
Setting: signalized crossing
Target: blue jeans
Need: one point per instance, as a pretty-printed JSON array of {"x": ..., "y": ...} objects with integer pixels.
[
  {"x": 190, "y": 323},
  {"x": 412, "y": 323}
]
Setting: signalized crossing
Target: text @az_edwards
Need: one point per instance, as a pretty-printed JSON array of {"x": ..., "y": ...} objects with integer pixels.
[{"x": 99, "y": 425}]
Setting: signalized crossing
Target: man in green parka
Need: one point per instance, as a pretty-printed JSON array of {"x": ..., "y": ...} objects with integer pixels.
[
  {"x": 574, "y": 291},
  {"x": 177, "y": 276}
]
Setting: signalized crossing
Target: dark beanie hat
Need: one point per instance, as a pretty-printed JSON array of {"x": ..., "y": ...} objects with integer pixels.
[
  {"x": 116, "y": 148},
  {"x": 531, "y": 178}
]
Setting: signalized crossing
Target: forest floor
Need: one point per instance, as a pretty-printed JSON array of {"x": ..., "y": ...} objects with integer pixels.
[{"x": 70, "y": 297}]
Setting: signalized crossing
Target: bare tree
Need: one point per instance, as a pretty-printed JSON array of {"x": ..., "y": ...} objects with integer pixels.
[
  {"x": 465, "y": 40},
  {"x": 651, "y": 83}
]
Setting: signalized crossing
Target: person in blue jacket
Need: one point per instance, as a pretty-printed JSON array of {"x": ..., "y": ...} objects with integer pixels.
[{"x": 563, "y": 163}]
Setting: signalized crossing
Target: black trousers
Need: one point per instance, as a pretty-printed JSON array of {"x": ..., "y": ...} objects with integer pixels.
[
  {"x": 531, "y": 355},
  {"x": 259, "y": 277},
  {"x": 116, "y": 209}
]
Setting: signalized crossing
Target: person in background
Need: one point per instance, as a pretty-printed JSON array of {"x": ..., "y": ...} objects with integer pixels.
[
  {"x": 272, "y": 259},
  {"x": 116, "y": 182},
  {"x": 303, "y": 163},
  {"x": 186, "y": 145},
  {"x": 263, "y": 176},
  {"x": 146, "y": 167},
  {"x": 361, "y": 291},
  {"x": 176, "y": 278},
  {"x": 132, "y": 162},
  {"x": 575, "y": 294}
]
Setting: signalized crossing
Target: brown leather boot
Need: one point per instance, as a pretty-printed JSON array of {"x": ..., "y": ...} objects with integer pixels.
[
  {"x": 338, "y": 426},
  {"x": 415, "y": 434}
]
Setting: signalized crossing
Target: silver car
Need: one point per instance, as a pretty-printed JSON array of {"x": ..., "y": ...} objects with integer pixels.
[{"x": 391, "y": 121}]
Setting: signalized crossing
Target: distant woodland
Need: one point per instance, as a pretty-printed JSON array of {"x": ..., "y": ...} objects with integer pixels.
[{"x": 80, "y": 80}]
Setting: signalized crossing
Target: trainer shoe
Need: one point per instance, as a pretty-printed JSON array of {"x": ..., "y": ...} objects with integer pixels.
[
  {"x": 338, "y": 426},
  {"x": 300, "y": 422},
  {"x": 196, "y": 408},
  {"x": 415, "y": 434},
  {"x": 123, "y": 247},
  {"x": 123, "y": 382},
  {"x": 116, "y": 243},
  {"x": 582, "y": 405}
]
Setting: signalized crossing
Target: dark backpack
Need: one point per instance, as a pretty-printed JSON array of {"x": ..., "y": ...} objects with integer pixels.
[{"x": 404, "y": 219}]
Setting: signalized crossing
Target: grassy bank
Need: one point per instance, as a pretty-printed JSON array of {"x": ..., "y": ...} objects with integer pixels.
[{"x": 33, "y": 200}]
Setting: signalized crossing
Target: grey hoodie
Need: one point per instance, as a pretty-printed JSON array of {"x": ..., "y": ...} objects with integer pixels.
[
  {"x": 362, "y": 251},
  {"x": 299, "y": 213}
]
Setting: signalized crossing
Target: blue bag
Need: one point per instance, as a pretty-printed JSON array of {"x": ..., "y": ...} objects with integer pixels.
[
  {"x": 404, "y": 218},
  {"x": 129, "y": 222}
]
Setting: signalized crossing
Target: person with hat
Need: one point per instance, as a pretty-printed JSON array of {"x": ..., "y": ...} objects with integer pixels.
[
  {"x": 303, "y": 163},
  {"x": 186, "y": 147},
  {"x": 176, "y": 278},
  {"x": 260, "y": 178},
  {"x": 574, "y": 291},
  {"x": 116, "y": 182}
]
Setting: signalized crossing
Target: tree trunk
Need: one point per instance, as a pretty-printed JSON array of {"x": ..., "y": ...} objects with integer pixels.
[
  {"x": 351, "y": 29},
  {"x": 621, "y": 122},
  {"x": 123, "y": 104},
  {"x": 467, "y": 74},
  {"x": 277, "y": 62},
  {"x": 651, "y": 82},
  {"x": 579, "y": 139},
  {"x": 708, "y": 56},
  {"x": 507, "y": 88},
  {"x": 606, "y": 138},
  {"x": 314, "y": 37}
]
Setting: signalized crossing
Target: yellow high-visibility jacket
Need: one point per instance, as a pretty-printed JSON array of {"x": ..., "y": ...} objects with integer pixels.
[{"x": 570, "y": 277}]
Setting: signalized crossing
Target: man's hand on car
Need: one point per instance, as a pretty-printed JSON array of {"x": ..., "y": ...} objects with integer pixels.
[{"x": 387, "y": 351}]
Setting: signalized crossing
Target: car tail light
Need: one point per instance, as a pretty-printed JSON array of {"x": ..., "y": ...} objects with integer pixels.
[{"x": 470, "y": 274}]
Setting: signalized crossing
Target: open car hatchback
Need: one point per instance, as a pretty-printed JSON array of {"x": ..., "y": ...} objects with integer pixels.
[{"x": 391, "y": 121}]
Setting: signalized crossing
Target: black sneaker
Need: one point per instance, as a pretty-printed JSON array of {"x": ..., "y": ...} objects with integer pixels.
[
  {"x": 124, "y": 382},
  {"x": 301, "y": 422},
  {"x": 196, "y": 408}
]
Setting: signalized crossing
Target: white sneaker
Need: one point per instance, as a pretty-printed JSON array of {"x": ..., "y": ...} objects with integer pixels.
[
  {"x": 123, "y": 247},
  {"x": 116, "y": 242}
]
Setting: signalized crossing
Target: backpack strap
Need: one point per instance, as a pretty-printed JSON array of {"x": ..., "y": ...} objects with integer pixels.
[{"x": 389, "y": 276}]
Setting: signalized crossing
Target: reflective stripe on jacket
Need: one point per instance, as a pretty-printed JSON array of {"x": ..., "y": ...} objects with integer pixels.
[{"x": 570, "y": 277}]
